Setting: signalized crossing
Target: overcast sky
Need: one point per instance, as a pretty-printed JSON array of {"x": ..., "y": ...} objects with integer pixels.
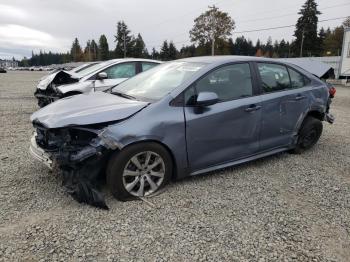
[{"x": 53, "y": 24}]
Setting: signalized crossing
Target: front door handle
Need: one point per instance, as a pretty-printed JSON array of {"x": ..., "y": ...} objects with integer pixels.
[
  {"x": 299, "y": 97},
  {"x": 252, "y": 108}
]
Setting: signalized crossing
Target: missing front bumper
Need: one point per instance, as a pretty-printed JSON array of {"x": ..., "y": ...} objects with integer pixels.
[
  {"x": 80, "y": 172},
  {"x": 39, "y": 154}
]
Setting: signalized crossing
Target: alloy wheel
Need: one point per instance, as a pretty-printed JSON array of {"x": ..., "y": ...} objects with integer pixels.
[{"x": 143, "y": 174}]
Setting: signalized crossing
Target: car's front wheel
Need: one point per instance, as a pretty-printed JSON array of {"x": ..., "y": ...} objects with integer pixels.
[
  {"x": 309, "y": 133},
  {"x": 139, "y": 170}
]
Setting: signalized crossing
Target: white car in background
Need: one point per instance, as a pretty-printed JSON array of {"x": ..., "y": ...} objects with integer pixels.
[{"x": 98, "y": 77}]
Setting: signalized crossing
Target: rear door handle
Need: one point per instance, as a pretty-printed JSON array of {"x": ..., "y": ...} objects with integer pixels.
[
  {"x": 299, "y": 97},
  {"x": 252, "y": 108}
]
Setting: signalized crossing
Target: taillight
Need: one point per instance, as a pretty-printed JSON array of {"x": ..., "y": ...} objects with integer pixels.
[{"x": 332, "y": 91}]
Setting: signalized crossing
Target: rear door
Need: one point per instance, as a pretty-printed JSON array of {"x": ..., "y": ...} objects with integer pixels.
[
  {"x": 282, "y": 105},
  {"x": 295, "y": 103},
  {"x": 229, "y": 129}
]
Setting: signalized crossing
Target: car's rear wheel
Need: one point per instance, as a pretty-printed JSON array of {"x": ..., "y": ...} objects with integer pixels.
[
  {"x": 139, "y": 170},
  {"x": 309, "y": 133}
]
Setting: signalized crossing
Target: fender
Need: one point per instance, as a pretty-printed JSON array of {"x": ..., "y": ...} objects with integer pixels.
[
  {"x": 135, "y": 129},
  {"x": 315, "y": 110}
]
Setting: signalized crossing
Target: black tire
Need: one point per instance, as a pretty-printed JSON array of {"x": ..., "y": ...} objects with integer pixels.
[
  {"x": 119, "y": 160},
  {"x": 309, "y": 133}
]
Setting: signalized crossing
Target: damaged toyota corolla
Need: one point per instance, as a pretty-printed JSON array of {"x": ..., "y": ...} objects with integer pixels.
[{"x": 182, "y": 118}]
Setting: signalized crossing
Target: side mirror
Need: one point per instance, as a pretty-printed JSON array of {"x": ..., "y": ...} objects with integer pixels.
[
  {"x": 207, "y": 99},
  {"x": 102, "y": 75}
]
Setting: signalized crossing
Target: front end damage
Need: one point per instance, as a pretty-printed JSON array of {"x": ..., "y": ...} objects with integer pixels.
[
  {"x": 80, "y": 153},
  {"x": 47, "y": 92}
]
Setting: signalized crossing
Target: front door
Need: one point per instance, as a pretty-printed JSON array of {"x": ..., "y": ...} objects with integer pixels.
[
  {"x": 229, "y": 129},
  {"x": 115, "y": 75}
]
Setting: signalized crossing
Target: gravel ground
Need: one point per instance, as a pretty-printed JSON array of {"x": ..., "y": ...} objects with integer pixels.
[{"x": 281, "y": 208}]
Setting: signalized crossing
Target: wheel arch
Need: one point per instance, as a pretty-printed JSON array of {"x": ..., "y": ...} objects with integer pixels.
[
  {"x": 167, "y": 148},
  {"x": 315, "y": 114}
]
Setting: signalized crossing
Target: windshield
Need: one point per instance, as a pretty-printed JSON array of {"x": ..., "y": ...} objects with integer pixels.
[
  {"x": 82, "y": 68},
  {"x": 158, "y": 81},
  {"x": 90, "y": 69}
]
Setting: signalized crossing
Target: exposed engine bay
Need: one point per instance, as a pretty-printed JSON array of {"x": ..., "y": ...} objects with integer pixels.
[{"x": 80, "y": 153}]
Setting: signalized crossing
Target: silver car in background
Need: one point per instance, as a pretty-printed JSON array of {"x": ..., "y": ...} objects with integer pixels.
[
  {"x": 182, "y": 118},
  {"x": 96, "y": 77}
]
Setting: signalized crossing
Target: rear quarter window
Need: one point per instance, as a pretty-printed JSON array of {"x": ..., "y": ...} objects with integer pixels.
[{"x": 297, "y": 79}]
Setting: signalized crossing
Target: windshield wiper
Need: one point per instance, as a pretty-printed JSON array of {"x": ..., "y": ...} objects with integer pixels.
[{"x": 124, "y": 95}]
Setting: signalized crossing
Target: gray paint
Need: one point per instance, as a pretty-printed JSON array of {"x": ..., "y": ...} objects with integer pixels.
[{"x": 199, "y": 138}]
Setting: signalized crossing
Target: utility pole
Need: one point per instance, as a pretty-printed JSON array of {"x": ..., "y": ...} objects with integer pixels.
[
  {"x": 213, "y": 46},
  {"x": 124, "y": 44},
  {"x": 302, "y": 43}
]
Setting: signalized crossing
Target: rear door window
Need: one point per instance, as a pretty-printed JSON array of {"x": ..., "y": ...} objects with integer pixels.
[{"x": 274, "y": 77}]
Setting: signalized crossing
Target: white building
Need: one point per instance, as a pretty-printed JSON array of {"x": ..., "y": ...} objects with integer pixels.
[
  {"x": 8, "y": 63},
  {"x": 345, "y": 54}
]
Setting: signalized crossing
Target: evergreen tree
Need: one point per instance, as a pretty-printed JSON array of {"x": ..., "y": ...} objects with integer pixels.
[
  {"x": 103, "y": 48},
  {"x": 94, "y": 50},
  {"x": 258, "y": 47},
  {"x": 87, "y": 51},
  {"x": 172, "y": 51},
  {"x": 164, "y": 51},
  {"x": 268, "y": 49},
  {"x": 155, "y": 55},
  {"x": 139, "y": 49},
  {"x": 124, "y": 40},
  {"x": 283, "y": 49},
  {"x": 187, "y": 51},
  {"x": 306, "y": 29},
  {"x": 321, "y": 38},
  {"x": 76, "y": 52},
  {"x": 242, "y": 46}
]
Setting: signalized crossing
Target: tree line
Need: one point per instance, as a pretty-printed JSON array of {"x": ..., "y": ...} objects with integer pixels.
[{"x": 207, "y": 39}]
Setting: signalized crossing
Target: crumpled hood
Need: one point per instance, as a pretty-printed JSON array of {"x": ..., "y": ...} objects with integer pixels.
[
  {"x": 47, "y": 80},
  {"x": 86, "y": 109}
]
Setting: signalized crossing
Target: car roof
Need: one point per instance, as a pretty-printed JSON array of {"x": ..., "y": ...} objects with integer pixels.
[
  {"x": 119, "y": 60},
  {"x": 225, "y": 59}
]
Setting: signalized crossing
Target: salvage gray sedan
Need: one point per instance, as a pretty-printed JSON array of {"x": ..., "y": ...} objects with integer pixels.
[{"x": 181, "y": 118}]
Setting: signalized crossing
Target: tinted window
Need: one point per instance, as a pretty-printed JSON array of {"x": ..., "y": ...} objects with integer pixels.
[
  {"x": 297, "y": 80},
  {"x": 274, "y": 77},
  {"x": 147, "y": 65},
  {"x": 228, "y": 82},
  {"x": 124, "y": 70}
]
